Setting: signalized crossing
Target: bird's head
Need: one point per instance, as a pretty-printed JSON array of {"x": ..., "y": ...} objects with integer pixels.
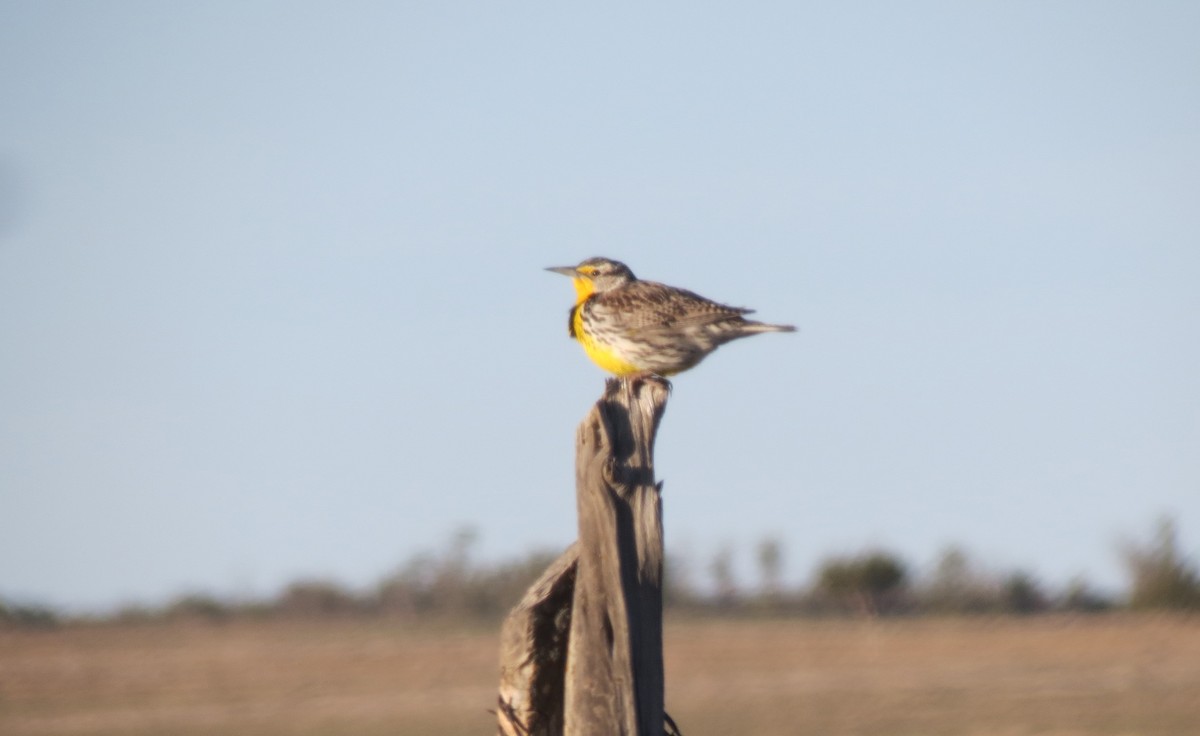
[{"x": 596, "y": 276}]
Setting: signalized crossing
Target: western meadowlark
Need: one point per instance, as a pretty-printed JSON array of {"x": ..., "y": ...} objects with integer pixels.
[{"x": 629, "y": 327}]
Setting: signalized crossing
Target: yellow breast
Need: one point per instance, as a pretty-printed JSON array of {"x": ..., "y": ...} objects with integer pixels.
[{"x": 601, "y": 354}]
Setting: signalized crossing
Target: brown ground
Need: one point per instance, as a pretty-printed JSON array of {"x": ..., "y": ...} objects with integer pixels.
[{"x": 1003, "y": 677}]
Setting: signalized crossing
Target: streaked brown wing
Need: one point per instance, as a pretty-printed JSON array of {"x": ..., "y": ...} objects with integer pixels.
[{"x": 646, "y": 305}]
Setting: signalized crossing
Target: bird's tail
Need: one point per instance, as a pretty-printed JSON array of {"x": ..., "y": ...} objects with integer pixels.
[{"x": 752, "y": 327}]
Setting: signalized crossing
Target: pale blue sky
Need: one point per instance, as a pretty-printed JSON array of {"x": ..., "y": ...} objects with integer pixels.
[{"x": 272, "y": 301}]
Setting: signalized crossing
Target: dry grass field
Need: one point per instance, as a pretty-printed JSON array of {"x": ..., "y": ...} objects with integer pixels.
[{"x": 1060, "y": 676}]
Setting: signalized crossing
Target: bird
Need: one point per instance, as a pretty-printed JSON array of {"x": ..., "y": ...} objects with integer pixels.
[{"x": 631, "y": 327}]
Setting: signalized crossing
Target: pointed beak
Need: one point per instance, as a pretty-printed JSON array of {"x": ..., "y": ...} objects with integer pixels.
[{"x": 564, "y": 270}]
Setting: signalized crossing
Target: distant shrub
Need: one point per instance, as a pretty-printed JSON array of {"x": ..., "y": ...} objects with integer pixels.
[
  {"x": 1021, "y": 594},
  {"x": 449, "y": 584},
  {"x": 678, "y": 591},
  {"x": 1161, "y": 575},
  {"x": 316, "y": 598},
  {"x": 198, "y": 606},
  {"x": 871, "y": 584},
  {"x": 1079, "y": 597},
  {"x": 28, "y": 616},
  {"x": 959, "y": 586},
  {"x": 723, "y": 577},
  {"x": 134, "y": 613}
]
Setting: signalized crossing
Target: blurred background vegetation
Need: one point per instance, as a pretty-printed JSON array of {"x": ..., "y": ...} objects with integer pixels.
[{"x": 450, "y": 584}]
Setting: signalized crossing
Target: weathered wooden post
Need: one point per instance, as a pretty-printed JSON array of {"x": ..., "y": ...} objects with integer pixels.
[{"x": 581, "y": 654}]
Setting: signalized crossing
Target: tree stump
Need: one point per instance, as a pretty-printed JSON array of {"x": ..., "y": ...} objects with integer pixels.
[{"x": 581, "y": 654}]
